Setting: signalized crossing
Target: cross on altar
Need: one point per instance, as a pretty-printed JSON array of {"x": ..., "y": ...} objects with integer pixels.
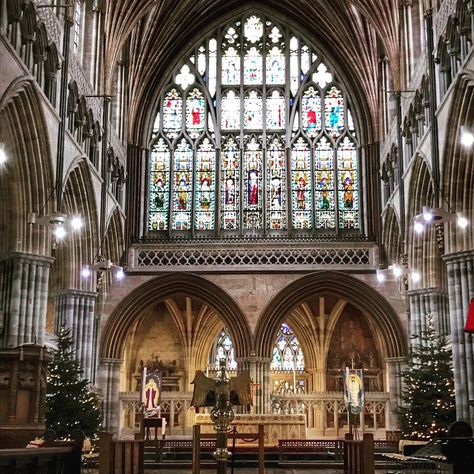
[{"x": 253, "y": 388}]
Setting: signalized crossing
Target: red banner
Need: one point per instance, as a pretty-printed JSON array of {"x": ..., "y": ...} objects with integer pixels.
[{"x": 470, "y": 318}]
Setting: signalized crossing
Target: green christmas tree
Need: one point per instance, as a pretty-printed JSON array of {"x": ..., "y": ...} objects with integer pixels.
[
  {"x": 69, "y": 403},
  {"x": 428, "y": 399}
]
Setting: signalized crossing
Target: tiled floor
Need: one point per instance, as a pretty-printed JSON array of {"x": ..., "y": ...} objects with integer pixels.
[{"x": 254, "y": 471}]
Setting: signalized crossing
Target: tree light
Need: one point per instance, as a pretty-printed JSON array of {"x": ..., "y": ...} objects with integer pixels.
[{"x": 380, "y": 276}]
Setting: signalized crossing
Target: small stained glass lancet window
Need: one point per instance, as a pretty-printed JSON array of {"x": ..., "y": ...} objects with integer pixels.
[
  {"x": 223, "y": 349},
  {"x": 287, "y": 352},
  {"x": 254, "y": 137}
]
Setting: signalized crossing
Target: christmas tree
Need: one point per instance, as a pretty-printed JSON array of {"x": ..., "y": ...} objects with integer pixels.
[
  {"x": 69, "y": 403},
  {"x": 428, "y": 398}
]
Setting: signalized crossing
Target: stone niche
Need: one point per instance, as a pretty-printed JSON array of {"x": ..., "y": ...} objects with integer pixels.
[{"x": 22, "y": 392}]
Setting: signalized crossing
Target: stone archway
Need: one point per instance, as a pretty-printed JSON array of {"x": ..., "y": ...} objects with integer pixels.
[
  {"x": 320, "y": 307},
  {"x": 165, "y": 290},
  {"x": 343, "y": 285}
]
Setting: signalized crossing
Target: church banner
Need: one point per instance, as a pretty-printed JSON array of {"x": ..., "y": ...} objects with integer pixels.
[
  {"x": 151, "y": 392},
  {"x": 354, "y": 396}
]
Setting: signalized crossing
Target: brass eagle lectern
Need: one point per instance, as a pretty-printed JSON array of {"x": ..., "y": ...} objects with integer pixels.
[{"x": 221, "y": 394}]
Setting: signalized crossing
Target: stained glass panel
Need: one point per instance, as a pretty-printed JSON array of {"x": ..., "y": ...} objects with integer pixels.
[
  {"x": 230, "y": 190},
  {"x": 205, "y": 183},
  {"x": 275, "y": 66},
  {"x": 322, "y": 77},
  {"x": 276, "y": 185},
  {"x": 294, "y": 68},
  {"x": 182, "y": 195},
  {"x": 311, "y": 114},
  {"x": 195, "y": 113},
  {"x": 287, "y": 353},
  {"x": 253, "y": 67},
  {"x": 159, "y": 186},
  {"x": 275, "y": 111},
  {"x": 212, "y": 67},
  {"x": 253, "y": 29},
  {"x": 230, "y": 113},
  {"x": 231, "y": 67},
  {"x": 334, "y": 112},
  {"x": 348, "y": 196},
  {"x": 301, "y": 185},
  {"x": 224, "y": 349},
  {"x": 324, "y": 195},
  {"x": 253, "y": 111},
  {"x": 203, "y": 104},
  {"x": 172, "y": 113},
  {"x": 253, "y": 171}
]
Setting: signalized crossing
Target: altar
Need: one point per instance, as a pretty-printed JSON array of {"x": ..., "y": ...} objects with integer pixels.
[{"x": 276, "y": 427}]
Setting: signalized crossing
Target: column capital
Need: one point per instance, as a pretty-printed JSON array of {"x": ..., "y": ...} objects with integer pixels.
[
  {"x": 428, "y": 292},
  {"x": 30, "y": 257},
  {"x": 458, "y": 257},
  {"x": 110, "y": 361},
  {"x": 74, "y": 292}
]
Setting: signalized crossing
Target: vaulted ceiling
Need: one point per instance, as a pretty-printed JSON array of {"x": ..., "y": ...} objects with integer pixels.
[{"x": 354, "y": 34}]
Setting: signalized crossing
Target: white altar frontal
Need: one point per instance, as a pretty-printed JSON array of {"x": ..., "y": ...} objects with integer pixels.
[{"x": 276, "y": 427}]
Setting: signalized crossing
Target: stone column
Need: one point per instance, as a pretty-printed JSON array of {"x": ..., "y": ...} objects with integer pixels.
[
  {"x": 432, "y": 301},
  {"x": 394, "y": 386},
  {"x": 75, "y": 310},
  {"x": 461, "y": 289},
  {"x": 259, "y": 368},
  {"x": 24, "y": 282},
  {"x": 109, "y": 382}
]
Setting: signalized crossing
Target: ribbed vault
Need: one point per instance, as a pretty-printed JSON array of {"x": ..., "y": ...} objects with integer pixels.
[
  {"x": 458, "y": 169},
  {"x": 157, "y": 31},
  {"x": 162, "y": 289},
  {"x": 379, "y": 312}
]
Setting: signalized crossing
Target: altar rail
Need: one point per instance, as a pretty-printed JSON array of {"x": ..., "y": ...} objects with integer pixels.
[
  {"x": 288, "y": 448},
  {"x": 40, "y": 460}
]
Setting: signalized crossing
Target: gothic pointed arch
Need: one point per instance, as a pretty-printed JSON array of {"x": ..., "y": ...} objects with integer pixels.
[
  {"x": 78, "y": 249},
  {"x": 391, "y": 237},
  {"x": 27, "y": 185},
  {"x": 158, "y": 290},
  {"x": 424, "y": 254},
  {"x": 368, "y": 300},
  {"x": 458, "y": 165}
]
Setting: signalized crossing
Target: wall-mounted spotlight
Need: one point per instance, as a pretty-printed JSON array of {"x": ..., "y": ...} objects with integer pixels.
[
  {"x": 467, "y": 136},
  {"x": 102, "y": 265},
  {"x": 398, "y": 271},
  {"x": 437, "y": 216},
  {"x": 58, "y": 222},
  {"x": 3, "y": 156}
]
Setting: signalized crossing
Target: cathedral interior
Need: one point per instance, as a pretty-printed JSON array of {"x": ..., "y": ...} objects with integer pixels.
[{"x": 284, "y": 184}]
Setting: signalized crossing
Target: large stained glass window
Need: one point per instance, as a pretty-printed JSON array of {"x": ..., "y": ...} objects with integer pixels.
[
  {"x": 254, "y": 136},
  {"x": 287, "y": 352}
]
